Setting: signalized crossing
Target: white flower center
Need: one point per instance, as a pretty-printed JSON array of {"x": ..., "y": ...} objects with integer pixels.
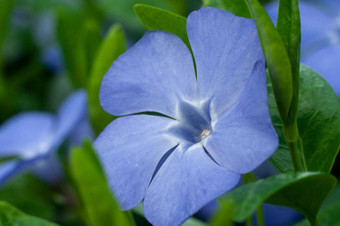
[
  {"x": 193, "y": 122},
  {"x": 205, "y": 133}
]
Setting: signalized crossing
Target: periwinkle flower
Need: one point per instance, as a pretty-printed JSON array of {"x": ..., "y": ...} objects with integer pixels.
[
  {"x": 207, "y": 131},
  {"x": 33, "y": 137},
  {"x": 320, "y": 37}
]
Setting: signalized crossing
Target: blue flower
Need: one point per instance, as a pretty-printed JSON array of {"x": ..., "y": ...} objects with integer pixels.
[
  {"x": 320, "y": 37},
  {"x": 33, "y": 137},
  {"x": 207, "y": 131}
]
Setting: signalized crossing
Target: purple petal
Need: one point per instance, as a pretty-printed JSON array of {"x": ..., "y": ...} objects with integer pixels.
[
  {"x": 333, "y": 6},
  {"x": 243, "y": 137},
  {"x": 48, "y": 168},
  {"x": 187, "y": 181},
  {"x": 69, "y": 115},
  {"x": 225, "y": 48},
  {"x": 7, "y": 170},
  {"x": 83, "y": 130},
  {"x": 153, "y": 75},
  {"x": 26, "y": 134},
  {"x": 130, "y": 149},
  {"x": 326, "y": 63}
]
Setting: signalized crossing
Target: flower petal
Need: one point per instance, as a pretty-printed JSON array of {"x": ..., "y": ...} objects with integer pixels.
[
  {"x": 187, "y": 181},
  {"x": 7, "y": 170},
  {"x": 151, "y": 76},
  {"x": 326, "y": 63},
  {"x": 243, "y": 137},
  {"x": 130, "y": 149},
  {"x": 225, "y": 49},
  {"x": 71, "y": 112},
  {"x": 47, "y": 168},
  {"x": 332, "y": 6},
  {"x": 26, "y": 134}
]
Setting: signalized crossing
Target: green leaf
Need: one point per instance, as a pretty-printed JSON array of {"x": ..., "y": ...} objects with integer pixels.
[
  {"x": 6, "y": 7},
  {"x": 100, "y": 206},
  {"x": 89, "y": 42},
  {"x": 9, "y": 158},
  {"x": 122, "y": 11},
  {"x": 193, "y": 222},
  {"x": 158, "y": 19},
  {"x": 223, "y": 216},
  {"x": 288, "y": 26},
  {"x": 69, "y": 23},
  {"x": 303, "y": 192},
  {"x": 9, "y": 215},
  {"x": 30, "y": 195},
  {"x": 113, "y": 46},
  {"x": 329, "y": 213},
  {"x": 237, "y": 7},
  {"x": 212, "y": 3},
  {"x": 190, "y": 222},
  {"x": 38, "y": 6},
  {"x": 276, "y": 58},
  {"x": 318, "y": 123}
]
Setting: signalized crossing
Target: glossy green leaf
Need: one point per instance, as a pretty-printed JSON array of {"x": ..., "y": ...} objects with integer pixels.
[
  {"x": 329, "y": 213},
  {"x": 276, "y": 58},
  {"x": 9, "y": 215},
  {"x": 113, "y": 45},
  {"x": 318, "y": 123},
  {"x": 190, "y": 222},
  {"x": 158, "y": 19},
  {"x": 303, "y": 192},
  {"x": 288, "y": 26},
  {"x": 328, "y": 216},
  {"x": 305, "y": 196},
  {"x": 100, "y": 206},
  {"x": 238, "y": 7}
]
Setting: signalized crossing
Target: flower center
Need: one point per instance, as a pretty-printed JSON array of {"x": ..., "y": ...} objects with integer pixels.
[
  {"x": 193, "y": 123},
  {"x": 205, "y": 133}
]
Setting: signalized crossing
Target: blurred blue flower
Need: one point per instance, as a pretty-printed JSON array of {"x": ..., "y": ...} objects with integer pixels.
[
  {"x": 320, "y": 37},
  {"x": 33, "y": 137},
  {"x": 206, "y": 132}
]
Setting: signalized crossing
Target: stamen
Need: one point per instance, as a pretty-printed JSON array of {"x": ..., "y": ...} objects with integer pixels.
[{"x": 205, "y": 133}]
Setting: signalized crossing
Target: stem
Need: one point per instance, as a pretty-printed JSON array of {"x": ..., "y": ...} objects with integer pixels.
[
  {"x": 291, "y": 135},
  {"x": 259, "y": 216},
  {"x": 294, "y": 154},
  {"x": 314, "y": 221},
  {"x": 248, "y": 178},
  {"x": 304, "y": 164},
  {"x": 249, "y": 221}
]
